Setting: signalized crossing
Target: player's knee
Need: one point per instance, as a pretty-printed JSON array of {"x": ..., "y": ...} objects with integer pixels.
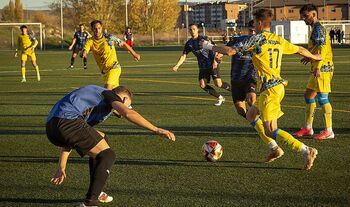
[
  {"x": 202, "y": 85},
  {"x": 107, "y": 158},
  {"x": 309, "y": 100},
  {"x": 218, "y": 83},
  {"x": 322, "y": 98}
]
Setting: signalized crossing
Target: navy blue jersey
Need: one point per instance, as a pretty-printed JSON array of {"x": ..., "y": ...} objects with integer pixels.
[
  {"x": 81, "y": 38},
  {"x": 241, "y": 63},
  {"x": 205, "y": 58},
  {"x": 86, "y": 102}
]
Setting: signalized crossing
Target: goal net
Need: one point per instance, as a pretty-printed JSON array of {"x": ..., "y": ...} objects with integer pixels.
[
  {"x": 342, "y": 25},
  {"x": 9, "y": 33}
]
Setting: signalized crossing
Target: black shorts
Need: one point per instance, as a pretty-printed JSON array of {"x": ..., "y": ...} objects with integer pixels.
[
  {"x": 206, "y": 73},
  {"x": 75, "y": 134},
  {"x": 77, "y": 49},
  {"x": 240, "y": 89}
]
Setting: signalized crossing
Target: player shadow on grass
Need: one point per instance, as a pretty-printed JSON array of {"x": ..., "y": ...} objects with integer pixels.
[
  {"x": 39, "y": 200},
  {"x": 247, "y": 164}
]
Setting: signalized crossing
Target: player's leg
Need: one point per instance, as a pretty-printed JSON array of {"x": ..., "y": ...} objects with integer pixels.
[
  {"x": 218, "y": 81},
  {"x": 203, "y": 80},
  {"x": 328, "y": 133},
  {"x": 111, "y": 78},
  {"x": 72, "y": 59},
  {"x": 35, "y": 65},
  {"x": 24, "y": 58},
  {"x": 84, "y": 61},
  {"x": 310, "y": 108}
]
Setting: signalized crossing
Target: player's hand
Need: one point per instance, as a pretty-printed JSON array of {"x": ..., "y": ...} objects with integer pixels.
[
  {"x": 137, "y": 57},
  {"x": 32, "y": 48},
  {"x": 305, "y": 60},
  {"x": 316, "y": 73},
  {"x": 70, "y": 48},
  {"x": 59, "y": 176},
  {"x": 175, "y": 68},
  {"x": 165, "y": 133}
]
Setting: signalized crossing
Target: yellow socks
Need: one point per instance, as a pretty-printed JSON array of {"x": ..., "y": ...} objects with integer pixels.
[
  {"x": 23, "y": 72},
  {"x": 310, "y": 112},
  {"x": 281, "y": 135},
  {"x": 327, "y": 115},
  {"x": 37, "y": 72},
  {"x": 258, "y": 126}
]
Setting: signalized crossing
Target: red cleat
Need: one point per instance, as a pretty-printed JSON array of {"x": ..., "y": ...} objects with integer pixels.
[
  {"x": 304, "y": 132},
  {"x": 324, "y": 135}
]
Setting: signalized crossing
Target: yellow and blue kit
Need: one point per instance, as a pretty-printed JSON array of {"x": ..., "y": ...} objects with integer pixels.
[
  {"x": 26, "y": 43},
  {"x": 106, "y": 58}
]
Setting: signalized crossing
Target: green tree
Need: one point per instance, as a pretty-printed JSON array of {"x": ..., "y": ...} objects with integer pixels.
[
  {"x": 161, "y": 15},
  {"x": 18, "y": 11},
  {"x": 8, "y": 12}
]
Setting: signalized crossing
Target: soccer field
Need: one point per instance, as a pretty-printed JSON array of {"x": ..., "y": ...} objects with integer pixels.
[{"x": 151, "y": 171}]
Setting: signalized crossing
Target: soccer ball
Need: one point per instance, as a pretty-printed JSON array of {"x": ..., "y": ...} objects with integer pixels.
[{"x": 212, "y": 151}]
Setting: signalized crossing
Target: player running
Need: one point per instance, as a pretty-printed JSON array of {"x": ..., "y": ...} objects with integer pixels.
[
  {"x": 70, "y": 126},
  {"x": 319, "y": 85},
  {"x": 128, "y": 37},
  {"x": 207, "y": 65},
  {"x": 268, "y": 49},
  {"x": 27, "y": 44},
  {"x": 78, "y": 43},
  {"x": 243, "y": 86},
  {"x": 102, "y": 46}
]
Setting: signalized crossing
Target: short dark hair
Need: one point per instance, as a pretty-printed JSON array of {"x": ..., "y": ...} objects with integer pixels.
[
  {"x": 193, "y": 24},
  {"x": 23, "y": 26},
  {"x": 308, "y": 8},
  {"x": 93, "y": 23},
  {"x": 82, "y": 24},
  {"x": 263, "y": 14},
  {"x": 123, "y": 90}
]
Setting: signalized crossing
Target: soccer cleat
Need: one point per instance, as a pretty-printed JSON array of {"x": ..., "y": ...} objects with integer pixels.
[
  {"x": 310, "y": 158},
  {"x": 85, "y": 67},
  {"x": 105, "y": 198},
  {"x": 274, "y": 154},
  {"x": 24, "y": 80},
  {"x": 221, "y": 100},
  {"x": 304, "y": 132},
  {"x": 70, "y": 67},
  {"x": 324, "y": 135}
]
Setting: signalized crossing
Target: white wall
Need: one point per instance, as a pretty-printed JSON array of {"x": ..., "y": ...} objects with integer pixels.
[{"x": 296, "y": 32}]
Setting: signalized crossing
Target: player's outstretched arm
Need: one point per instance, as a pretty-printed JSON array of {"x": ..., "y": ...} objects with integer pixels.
[
  {"x": 137, "y": 119},
  {"x": 136, "y": 56},
  {"x": 225, "y": 50},
  {"x": 60, "y": 174},
  {"x": 307, "y": 54},
  {"x": 179, "y": 62}
]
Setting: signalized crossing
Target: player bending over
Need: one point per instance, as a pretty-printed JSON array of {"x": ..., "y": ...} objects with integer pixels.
[
  {"x": 319, "y": 85},
  {"x": 268, "y": 49},
  {"x": 27, "y": 44},
  {"x": 102, "y": 46},
  {"x": 207, "y": 65},
  {"x": 70, "y": 126},
  {"x": 78, "y": 43}
]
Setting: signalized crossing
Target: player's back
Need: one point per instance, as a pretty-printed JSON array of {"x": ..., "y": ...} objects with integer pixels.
[{"x": 267, "y": 62}]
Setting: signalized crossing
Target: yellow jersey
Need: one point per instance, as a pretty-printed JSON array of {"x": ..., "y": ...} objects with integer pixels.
[
  {"x": 267, "y": 62},
  {"x": 26, "y": 42},
  {"x": 104, "y": 51},
  {"x": 320, "y": 43}
]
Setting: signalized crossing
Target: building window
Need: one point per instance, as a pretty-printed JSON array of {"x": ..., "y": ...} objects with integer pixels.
[
  {"x": 281, "y": 11},
  {"x": 333, "y": 10},
  {"x": 290, "y": 11}
]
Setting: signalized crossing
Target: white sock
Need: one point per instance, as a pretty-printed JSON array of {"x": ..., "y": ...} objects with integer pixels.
[
  {"x": 273, "y": 145},
  {"x": 329, "y": 129},
  {"x": 308, "y": 126},
  {"x": 304, "y": 149}
]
